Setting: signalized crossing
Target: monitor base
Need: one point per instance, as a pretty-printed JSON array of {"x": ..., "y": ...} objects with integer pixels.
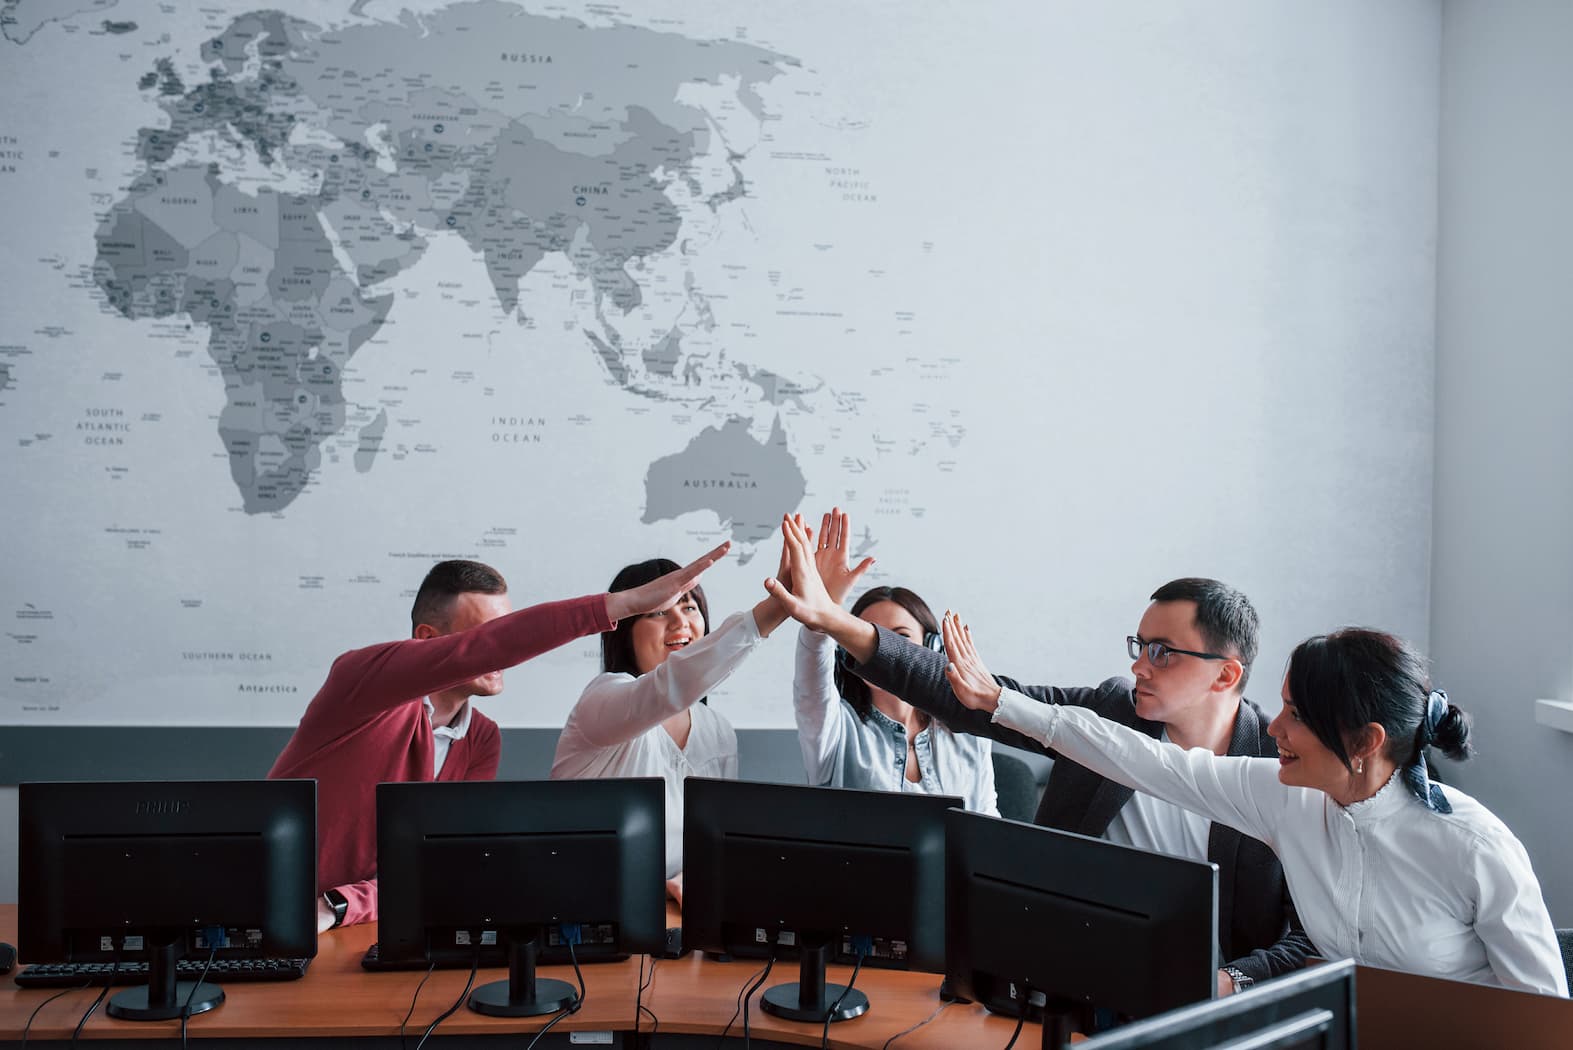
[
  {"x": 550, "y": 997},
  {"x": 785, "y": 1001},
  {"x": 135, "y": 1004},
  {"x": 524, "y": 994}
]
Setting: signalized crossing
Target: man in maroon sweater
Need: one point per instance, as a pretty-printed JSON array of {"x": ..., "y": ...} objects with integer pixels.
[{"x": 401, "y": 711}]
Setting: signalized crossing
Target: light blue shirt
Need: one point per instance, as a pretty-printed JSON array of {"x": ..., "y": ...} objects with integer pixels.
[{"x": 842, "y": 750}]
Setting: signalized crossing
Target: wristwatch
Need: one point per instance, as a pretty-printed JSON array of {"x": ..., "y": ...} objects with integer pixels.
[
  {"x": 1241, "y": 979},
  {"x": 338, "y": 905}
]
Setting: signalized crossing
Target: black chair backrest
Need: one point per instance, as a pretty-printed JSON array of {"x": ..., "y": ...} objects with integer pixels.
[
  {"x": 1015, "y": 787},
  {"x": 1565, "y": 942}
]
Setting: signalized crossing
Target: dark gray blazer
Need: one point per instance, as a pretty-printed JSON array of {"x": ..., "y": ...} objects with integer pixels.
[{"x": 1258, "y": 930}]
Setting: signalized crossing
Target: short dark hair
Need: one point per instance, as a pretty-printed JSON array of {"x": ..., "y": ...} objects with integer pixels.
[
  {"x": 1341, "y": 682},
  {"x": 852, "y": 688},
  {"x": 617, "y": 645},
  {"x": 445, "y": 582},
  {"x": 1225, "y": 616}
]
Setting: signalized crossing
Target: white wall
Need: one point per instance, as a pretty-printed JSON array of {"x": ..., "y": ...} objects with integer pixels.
[{"x": 1502, "y": 565}]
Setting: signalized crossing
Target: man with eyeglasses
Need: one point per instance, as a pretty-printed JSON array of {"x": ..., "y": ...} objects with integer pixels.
[{"x": 1191, "y": 654}]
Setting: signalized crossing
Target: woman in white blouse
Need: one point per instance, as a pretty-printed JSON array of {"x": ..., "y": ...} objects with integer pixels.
[
  {"x": 644, "y": 715},
  {"x": 856, "y": 736},
  {"x": 1385, "y": 867}
]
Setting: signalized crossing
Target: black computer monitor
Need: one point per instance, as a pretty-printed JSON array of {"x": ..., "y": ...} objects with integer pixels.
[
  {"x": 820, "y": 873},
  {"x": 115, "y": 872},
  {"x": 515, "y": 866},
  {"x": 1310, "y": 1010},
  {"x": 1083, "y": 923}
]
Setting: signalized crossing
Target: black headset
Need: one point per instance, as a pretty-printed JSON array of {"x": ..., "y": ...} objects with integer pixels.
[{"x": 931, "y": 640}]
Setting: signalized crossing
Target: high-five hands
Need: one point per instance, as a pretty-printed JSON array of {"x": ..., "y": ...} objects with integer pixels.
[
  {"x": 969, "y": 679},
  {"x": 771, "y": 612},
  {"x": 784, "y": 569},
  {"x": 830, "y": 556},
  {"x": 806, "y": 600}
]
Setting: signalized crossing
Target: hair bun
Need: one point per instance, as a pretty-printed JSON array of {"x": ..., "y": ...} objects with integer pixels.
[{"x": 1451, "y": 736}]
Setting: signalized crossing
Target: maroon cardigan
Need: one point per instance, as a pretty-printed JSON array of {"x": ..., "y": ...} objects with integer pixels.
[{"x": 367, "y": 725}]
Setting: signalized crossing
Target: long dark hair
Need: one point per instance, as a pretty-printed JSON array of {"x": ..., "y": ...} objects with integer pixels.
[
  {"x": 1341, "y": 682},
  {"x": 852, "y": 688},
  {"x": 617, "y": 645}
]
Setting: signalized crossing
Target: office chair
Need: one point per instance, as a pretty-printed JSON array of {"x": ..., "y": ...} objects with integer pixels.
[{"x": 1015, "y": 787}]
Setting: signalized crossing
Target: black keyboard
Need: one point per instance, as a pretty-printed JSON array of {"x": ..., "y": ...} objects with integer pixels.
[
  {"x": 492, "y": 956},
  {"x": 223, "y": 971}
]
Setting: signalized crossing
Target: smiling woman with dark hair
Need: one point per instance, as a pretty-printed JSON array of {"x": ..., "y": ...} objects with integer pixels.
[
  {"x": 1386, "y": 867},
  {"x": 643, "y": 715}
]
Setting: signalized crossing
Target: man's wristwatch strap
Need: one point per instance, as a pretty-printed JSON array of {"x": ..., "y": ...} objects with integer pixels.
[
  {"x": 1241, "y": 979},
  {"x": 339, "y": 904}
]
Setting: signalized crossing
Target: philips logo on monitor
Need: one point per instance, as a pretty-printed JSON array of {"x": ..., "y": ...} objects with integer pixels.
[{"x": 154, "y": 807}]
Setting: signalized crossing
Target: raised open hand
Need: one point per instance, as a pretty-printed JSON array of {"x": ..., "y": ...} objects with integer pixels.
[
  {"x": 663, "y": 591},
  {"x": 806, "y": 601},
  {"x": 830, "y": 556},
  {"x": 969, "y": 679},
  {"x": 784, "y": 571},
  {"x": 772, "y": 609}
]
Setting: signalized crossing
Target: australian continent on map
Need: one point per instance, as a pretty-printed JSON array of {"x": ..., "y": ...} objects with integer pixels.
[{"x": 747, "y": 484}]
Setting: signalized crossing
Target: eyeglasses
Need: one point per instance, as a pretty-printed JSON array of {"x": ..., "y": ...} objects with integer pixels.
[{"x": 1158, "y": 654}]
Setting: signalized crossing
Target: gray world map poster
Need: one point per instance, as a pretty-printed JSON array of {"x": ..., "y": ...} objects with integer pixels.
[{"x": 1058, "y": 300}]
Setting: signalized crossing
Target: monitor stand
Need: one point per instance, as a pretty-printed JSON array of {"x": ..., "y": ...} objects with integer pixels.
[
  {"x": 810, "y": 998},
  {"x": 523, "y": 994},
  {"x": 1061, "y": 1017},
  {"x": 164, "y": 997}
]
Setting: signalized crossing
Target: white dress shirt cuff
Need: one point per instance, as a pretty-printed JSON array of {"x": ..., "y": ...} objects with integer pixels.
[{"x": 1026, "y": 715}]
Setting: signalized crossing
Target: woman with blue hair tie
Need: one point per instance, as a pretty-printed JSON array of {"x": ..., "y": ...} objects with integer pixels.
[{"x": 1385, "y": 866}]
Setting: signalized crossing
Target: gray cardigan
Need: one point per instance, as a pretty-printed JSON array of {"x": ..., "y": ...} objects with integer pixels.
[{"x": 1258, "y": 930}]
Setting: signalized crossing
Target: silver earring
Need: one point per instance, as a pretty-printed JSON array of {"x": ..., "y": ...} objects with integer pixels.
[{"x": 1359, "y": 766}]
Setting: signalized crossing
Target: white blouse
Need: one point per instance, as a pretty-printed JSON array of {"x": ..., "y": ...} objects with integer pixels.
[
  {"x": 1386, "y": 882},
  {"x": 615, "y": 728}
]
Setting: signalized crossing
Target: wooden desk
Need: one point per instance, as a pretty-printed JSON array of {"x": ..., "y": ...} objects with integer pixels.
[
  {"x": 694, "y": 997},
  {"x": 1397, "y": 1011},
  {"x": 335, "y": 1000},
  {"x": 697, "y": 995}
]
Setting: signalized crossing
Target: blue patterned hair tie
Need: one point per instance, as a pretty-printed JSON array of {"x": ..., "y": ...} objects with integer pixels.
[
  {"x": 1436, "y": 710},
  {"x": 1416, "y": 776}
]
